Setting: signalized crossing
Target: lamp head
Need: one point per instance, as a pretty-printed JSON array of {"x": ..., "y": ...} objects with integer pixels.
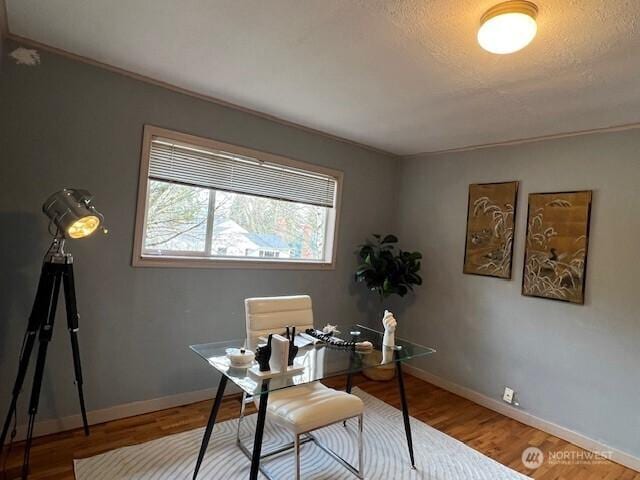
[{"x": 72, "y": 213}]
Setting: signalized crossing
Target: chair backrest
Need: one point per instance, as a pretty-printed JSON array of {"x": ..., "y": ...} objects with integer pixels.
[{"x": 267, "y": 315}]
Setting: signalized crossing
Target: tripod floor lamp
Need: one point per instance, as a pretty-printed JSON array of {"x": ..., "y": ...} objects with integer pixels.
[{"x": 71, "y": 215}]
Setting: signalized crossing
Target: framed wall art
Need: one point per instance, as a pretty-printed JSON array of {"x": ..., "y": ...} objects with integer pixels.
[
  {"x": 555, "y": 259},
  {"x": 490, "y": 228}
]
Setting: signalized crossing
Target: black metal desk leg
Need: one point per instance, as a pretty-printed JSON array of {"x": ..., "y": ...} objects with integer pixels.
[
  {"x": 210, "y": 424},
  {"x": 354, "y": 338},
  {"x": 405, "y": 412},
  {"x": 349, "y": 385},
  {"x": 257, "y": 441}
]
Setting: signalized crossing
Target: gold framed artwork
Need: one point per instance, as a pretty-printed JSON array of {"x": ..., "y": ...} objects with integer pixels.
[
  {"x": 555, "y": 259},
  {"x": 490, "y": 227}
]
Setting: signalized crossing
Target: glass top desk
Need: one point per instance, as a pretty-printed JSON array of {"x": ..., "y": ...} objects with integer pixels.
[{"x": 316, "y": 362}]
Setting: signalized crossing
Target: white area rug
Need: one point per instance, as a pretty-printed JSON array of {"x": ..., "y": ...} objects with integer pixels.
[{"x": 438, "y": 456}]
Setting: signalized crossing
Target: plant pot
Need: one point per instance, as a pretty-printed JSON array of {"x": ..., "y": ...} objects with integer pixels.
[{"x": 375, "y": 371}]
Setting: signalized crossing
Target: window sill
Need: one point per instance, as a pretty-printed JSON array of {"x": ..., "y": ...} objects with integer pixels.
[{"x": 231, "y": 263}]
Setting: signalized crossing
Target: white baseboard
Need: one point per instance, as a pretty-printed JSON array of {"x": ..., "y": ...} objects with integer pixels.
[
  {"x": 582, "y": 441},
  {"x": 94, "y": 417}
]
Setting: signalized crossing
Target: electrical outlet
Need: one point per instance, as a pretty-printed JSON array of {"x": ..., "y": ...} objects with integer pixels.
[{"x": 507, "y": 396}]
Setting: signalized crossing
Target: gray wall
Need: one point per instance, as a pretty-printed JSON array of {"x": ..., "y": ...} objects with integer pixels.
[
  {"x": 577, "y": 366},
  {"x": 68, "y": 124},
  {"x": 65, "y": 123}
]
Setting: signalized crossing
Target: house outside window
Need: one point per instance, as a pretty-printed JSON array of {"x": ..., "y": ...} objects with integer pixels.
[{"x": 204, "y": 203}]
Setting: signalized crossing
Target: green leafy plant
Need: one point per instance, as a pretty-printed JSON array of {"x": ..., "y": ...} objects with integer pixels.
[{"x": 386, "y": 269}]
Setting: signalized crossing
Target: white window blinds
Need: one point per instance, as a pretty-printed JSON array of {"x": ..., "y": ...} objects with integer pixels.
[{"x": 219, "y": 170}]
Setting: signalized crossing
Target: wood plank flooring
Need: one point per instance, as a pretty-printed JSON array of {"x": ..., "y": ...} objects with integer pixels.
[{"x": 491, "y": 433}]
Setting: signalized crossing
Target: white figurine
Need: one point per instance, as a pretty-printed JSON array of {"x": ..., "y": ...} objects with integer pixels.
[
  {"x": 389, "y": 322},
  {"x": 389, "y": 339}
]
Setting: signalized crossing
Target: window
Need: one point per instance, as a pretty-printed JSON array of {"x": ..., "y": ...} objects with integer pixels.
[{"x": 205, "y": 203}]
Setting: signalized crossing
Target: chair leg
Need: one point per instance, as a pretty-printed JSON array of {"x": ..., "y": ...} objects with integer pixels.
[
  {"x": 296, "y": 446},
  {"x": 360, "y": 447},
  {"x": 242, "y": 406}
]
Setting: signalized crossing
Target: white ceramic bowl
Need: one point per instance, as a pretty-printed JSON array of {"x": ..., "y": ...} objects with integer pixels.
[{"x": 240, "y": 357}]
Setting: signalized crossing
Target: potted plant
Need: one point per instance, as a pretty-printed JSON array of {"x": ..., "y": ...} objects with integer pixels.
[{"x": 386, "y": 270}]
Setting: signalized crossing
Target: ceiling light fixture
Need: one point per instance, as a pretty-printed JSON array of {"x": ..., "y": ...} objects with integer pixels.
[{"x": 508, "y": 27}]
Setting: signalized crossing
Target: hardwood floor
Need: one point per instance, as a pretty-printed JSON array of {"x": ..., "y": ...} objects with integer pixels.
[{"x": 488, "y": 432}]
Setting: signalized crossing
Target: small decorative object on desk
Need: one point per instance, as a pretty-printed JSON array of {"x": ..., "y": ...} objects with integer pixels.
[
  {"x": 330, "y": 329},
  {"x": 329, "y": 338},
  {"x": 240, "y": 357},
  {"x": 293, "y": 350},
  {"x": 382, "y": 360},
  {"x": 389, "y": 323},
  {"x": 273, "y": 358},
  {"x": 263, "y": 355},
  {"x": 279, "y": 353},
  {"x": 338, "y": 342},
  {"x": 389, "y": 339}
]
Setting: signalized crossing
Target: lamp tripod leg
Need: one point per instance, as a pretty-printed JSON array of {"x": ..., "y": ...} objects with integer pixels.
[
  {"x": 46, "y": 333},
  {"x": 17, "y": 388},
  {"x": 73, "y": 326},
  {"x": 36, "y": 319}
]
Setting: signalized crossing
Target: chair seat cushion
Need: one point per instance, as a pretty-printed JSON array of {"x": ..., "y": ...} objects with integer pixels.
[{"x": 308, "y": 407}]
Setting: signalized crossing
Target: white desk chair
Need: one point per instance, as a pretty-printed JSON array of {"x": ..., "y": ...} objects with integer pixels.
[{"x": 304, "y": 408}]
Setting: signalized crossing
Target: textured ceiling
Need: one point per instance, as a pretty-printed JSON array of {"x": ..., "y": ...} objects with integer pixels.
[{"x": 405, "y": 76}]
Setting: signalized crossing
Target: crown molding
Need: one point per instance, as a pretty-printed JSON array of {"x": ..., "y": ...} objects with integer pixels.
[
  {"x": 4, "y": 30},
  {"x": 185, "y": 91},
  {"x": 520, "y": 141}
]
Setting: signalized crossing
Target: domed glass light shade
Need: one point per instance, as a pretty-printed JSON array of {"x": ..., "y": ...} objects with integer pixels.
[{"x": 508, "y": 27}]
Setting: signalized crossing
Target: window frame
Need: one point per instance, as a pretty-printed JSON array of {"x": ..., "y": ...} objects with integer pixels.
[{"x": 188, "y": 259}]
